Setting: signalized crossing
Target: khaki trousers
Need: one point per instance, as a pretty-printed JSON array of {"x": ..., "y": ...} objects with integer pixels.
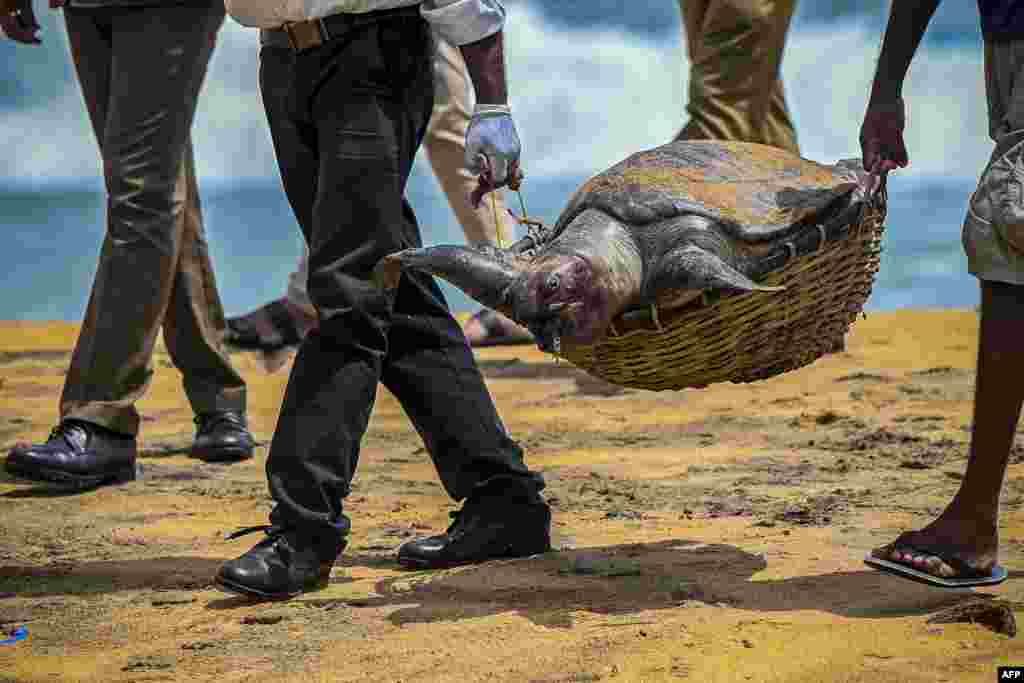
[
  {"x": 993, "y": 233},
  {"x": 140, "y": 70},
  {"x": 445, "y": 146},
  {"x": 735, "y": 49}
]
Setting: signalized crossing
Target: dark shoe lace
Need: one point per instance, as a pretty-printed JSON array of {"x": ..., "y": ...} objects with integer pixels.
[
  {"x": 275, "y": 536},
  {"x": 65, "y": 429},
  {"x": 272, "y": 530},
  {"x": 283, "y": 538}
]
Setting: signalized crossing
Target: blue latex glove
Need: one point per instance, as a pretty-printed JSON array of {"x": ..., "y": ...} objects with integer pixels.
[{"x": 492, "y": 144}]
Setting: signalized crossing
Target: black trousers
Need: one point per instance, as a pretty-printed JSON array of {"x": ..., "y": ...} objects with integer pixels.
[{"x": 346, "y": 120}]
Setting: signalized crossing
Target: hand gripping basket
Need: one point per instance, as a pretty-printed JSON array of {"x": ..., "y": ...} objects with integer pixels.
[{"x": 827, "y": 270}]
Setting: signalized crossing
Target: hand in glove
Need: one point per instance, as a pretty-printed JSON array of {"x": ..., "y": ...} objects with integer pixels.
[{"x": 492, "y": 148}]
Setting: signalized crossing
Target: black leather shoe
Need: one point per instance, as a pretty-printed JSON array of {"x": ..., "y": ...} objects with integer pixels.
[
  {"x": 77, "y": 456},
  {"x": 485, "y": 528},
  {"x": 281, "y": 566},
  {"x": 222, "y": 437}
]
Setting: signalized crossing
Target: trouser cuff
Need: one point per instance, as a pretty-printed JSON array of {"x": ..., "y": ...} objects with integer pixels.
[
  {"x": 327, "y": 538},
  {"x": 116, "y": 417},
  {"x": 525, "y": 489},
  {"x": 216, "y": 400}
]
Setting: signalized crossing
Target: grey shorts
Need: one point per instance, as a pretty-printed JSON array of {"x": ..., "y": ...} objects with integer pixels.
[{"x": 993, "y": 234}]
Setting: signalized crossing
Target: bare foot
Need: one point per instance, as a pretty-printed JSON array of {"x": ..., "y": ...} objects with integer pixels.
[{"x": 949, "y": 547}]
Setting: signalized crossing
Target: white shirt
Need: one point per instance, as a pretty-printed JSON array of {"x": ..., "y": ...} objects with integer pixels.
[{"x": 457, "y": 21}]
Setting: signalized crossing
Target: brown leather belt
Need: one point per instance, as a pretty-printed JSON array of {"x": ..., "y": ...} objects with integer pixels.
[{"x": 305, "y": 35}]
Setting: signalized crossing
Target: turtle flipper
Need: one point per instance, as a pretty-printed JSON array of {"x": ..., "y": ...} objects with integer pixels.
[{"x": 694, "y": 268}]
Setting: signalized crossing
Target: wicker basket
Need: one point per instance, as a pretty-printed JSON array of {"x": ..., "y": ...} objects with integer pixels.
[{"x": 750, "y": 336}]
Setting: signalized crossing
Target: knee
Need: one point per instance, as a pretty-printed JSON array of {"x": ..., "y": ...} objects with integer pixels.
[
  {"x": 761, "y": 15},
  {"x": 335, "y": 290},
  {"x": 136, "y": 190}
]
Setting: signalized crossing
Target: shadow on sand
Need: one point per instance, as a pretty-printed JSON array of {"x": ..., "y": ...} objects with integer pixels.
[{"x": 547, "y": 589}]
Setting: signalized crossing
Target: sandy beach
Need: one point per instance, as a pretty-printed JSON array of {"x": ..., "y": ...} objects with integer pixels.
[{"x": 706, "y": 535}]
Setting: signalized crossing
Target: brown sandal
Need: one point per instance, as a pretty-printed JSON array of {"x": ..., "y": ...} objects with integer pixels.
[{"x": 270, "y": 327}]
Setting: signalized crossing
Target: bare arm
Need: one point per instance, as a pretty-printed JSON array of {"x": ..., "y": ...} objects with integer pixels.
[
  {"x": 881, "y": 133},
  {"x": 485, "y": 61},
  {"x": 908, "y": 20}
]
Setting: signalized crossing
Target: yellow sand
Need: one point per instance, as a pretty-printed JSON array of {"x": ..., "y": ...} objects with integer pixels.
[{"x": 733, "y": 521}]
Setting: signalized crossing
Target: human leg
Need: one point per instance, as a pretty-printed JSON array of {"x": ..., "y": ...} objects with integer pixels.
[
  {"x": 365, "y": 144},
  {"x": 345, "y": 171},
  {"x": 193, "y": 328},
  {"x": 963, "y": 541},
  {"x": 143, "y": 141},
  {"x": 142, "y": 132},
  {"x": 735, "y": 49},
  {"x": 339, "y": 189},
  {"x": 80, "y": 456},
  {"x": 443, "y": 393}
]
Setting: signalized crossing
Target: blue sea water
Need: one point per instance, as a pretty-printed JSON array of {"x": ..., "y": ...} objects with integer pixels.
[{"x": 53, "y": 236}]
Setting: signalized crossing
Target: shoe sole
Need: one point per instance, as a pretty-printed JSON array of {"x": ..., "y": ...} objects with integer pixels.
[
  {"x": 73, "y": 482},
  {"x": 238, "y": 589},
  {"x": 225, "y": 454},
  {"x": 230, "y": 586},
  {"x": 417, "y": 563}
]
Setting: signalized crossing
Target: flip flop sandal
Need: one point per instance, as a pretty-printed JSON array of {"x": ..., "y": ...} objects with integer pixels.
[
  {"x": 968, "y": 578},
  {"x": 269, "y": 328},
  {"x": 491, "y": 323}
]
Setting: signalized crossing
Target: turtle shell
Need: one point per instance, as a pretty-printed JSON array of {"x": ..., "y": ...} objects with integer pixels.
[{"x": 756, "y": 192}]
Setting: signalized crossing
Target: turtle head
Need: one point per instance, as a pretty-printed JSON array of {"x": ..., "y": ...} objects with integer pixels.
[
  {"x": 552, "y": 295},
  {"x": 583, "y": 279},
  {"x": 560, "y": 298},
  {"x": 568, "y": 291}
]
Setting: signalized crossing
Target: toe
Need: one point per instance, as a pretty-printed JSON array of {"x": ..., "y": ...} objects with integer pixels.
[
  {"x": 920, "y": 561},
  {"x": 925, "y": 562},
  {"x": 932, "y": 565}
]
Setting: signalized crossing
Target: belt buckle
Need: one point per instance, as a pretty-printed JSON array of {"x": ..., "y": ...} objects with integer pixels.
[{"x": 303, "y": 35}]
